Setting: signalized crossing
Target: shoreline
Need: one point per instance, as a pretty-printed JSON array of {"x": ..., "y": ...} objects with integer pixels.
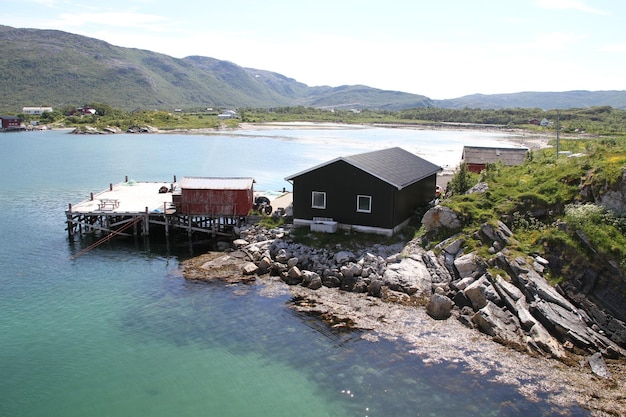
[
  {"x": 534, "y": 140},
  {"x": 446, "y": 343}
]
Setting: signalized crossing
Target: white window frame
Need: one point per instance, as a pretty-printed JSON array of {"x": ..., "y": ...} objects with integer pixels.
[
  {"x": 358, "y": 206},
  {"x": 313, "y": 195}
]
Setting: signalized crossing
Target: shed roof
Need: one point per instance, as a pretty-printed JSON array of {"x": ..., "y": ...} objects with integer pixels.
[
  {"x": 216, "y": 183},
  {"x": 487, "y": 155},
  {"x": 395, "y": 166}
]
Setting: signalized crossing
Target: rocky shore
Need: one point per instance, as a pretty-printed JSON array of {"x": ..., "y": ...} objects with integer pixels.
[{"x": 452, "y": 305}]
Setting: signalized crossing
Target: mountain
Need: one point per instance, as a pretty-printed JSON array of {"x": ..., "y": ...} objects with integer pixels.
[
  {"x": 542, "y": 100},
  {"x": 55, "y": 68}
]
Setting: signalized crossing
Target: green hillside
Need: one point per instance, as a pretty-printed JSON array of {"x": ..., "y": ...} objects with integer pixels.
[
  {"x": 541, "y": 100},
  {"x": 54, "y": 68}
]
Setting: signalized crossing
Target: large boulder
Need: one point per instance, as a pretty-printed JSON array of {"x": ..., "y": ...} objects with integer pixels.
[
  {"x": 468, "y": 266},
  {"x": 439, "y": 306},
  {"x": 476, "y": 292},
  {"x": 441, "y": 217},
  {"x": 409, "y": 276},
  {"x": 499, "y": 323}
]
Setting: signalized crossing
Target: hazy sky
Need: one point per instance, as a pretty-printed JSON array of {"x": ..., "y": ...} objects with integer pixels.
[{"x": 438, "y": 48}]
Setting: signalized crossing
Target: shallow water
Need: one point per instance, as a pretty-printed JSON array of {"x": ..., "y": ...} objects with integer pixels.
[{"x": 118, "y": 331}]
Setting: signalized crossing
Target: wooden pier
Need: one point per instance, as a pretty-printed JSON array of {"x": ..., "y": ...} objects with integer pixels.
[{"x": 134, "y": 208}]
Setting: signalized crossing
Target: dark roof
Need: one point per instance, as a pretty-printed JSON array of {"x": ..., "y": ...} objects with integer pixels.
[
  {"x": 487, "y": 155},
  {"x": 395, "y": 166}
]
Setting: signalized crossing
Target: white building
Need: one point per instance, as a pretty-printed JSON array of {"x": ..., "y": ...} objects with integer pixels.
[{"x": 36, "y": 110}]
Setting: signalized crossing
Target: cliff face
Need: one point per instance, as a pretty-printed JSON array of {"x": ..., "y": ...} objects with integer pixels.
[
  {"x": 589, "y": 278},
  {"x": 612, "y": 197}
]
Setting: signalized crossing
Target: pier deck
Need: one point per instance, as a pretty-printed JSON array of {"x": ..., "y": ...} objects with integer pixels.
[
  {"x": 129, "y": 198},
  {"x": 130, "y": 208}
]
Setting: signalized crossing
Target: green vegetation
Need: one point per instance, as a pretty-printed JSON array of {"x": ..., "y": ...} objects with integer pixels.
[
  {"x": 55, "y": 68},
  {"x": 574, "y": 122},
  {"x": 547, "y": 202},
  {"x": 602, "y": 120}
]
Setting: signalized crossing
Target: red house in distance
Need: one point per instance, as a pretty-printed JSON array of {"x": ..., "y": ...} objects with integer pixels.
[
  {"x": 477, "y": 157},
  {"x": 10, "y": 123}
]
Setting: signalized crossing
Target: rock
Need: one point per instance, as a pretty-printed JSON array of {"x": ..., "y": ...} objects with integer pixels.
[
  {"x": 535, "y": 286},
  {"x": 282, "y": 256},
  {"x": 293, "y": 276},
  {"x": 441, "y": 216},
  {"x": 374, "y": 288},
  {"x": 292, "y": 262},
  {"x": 351, "y": 270},
  {"x": 545, "y": 342},
  {"x": 249, "y": 268},
  {"x": 567, "y": 325},
  {"x": 316, "y": 283},
  {"x": 278, "y": 268},
  {"x": 461, "y": 301},
  {"x": 239, "y": 243},
  {"x": 477, "y": 293},
  {"x": 481, "y": 187},
  {"x": 598, "y": 366},
  {"x": 409, "y": 276},
  {"x": 311, "y": 280},
  {"x": 467, "y": 266},
  {"x": 264, "y": 265},
  {"x": 439, "y": 307},
  {"x": 499, "y": 323},
  {"x": 436, "y": 266},
  {"x": 392, "y": 259},
  {"x": 463, "y": 283},
  {"x": 347, "y": 283},
  {"x": 330, "y": 281},
  {"x": 452, "y": 245},
  {"x": 344, "y": 256}
]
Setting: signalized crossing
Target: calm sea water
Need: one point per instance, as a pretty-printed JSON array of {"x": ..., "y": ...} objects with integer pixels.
[{"x": 119, "y": 332}]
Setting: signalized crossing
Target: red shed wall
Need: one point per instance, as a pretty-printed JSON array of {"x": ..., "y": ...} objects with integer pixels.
[
  {"x": 476, "y": 168},
  {"x": 216, "y": 202}
]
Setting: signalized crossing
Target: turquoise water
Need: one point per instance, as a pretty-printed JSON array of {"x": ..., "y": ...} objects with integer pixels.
[{"x": 119, "y": 332}]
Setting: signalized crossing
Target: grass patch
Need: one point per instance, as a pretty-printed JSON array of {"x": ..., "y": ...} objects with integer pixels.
[{"x": 548, "y": 201}]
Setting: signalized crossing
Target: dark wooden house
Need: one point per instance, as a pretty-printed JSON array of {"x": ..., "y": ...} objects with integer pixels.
[
  {"x": 373, "y": 192},
  {"x": 477, "y": 157},
  {"x": 214, "y": 196},
  {"x": 10, "y": 123}
]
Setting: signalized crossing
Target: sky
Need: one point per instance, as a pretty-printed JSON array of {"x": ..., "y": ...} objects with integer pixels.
[{"x": 437, "y": 48}]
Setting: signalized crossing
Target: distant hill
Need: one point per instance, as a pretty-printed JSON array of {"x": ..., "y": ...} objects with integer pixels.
[
  {"x": 55, "y": 68},
  {"x": 545, "y": 100}
]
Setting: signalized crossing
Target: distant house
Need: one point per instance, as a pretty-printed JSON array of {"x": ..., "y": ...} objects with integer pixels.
[
  {"x": 10, "y": 123},
  {"x": 36, "y": 110},
  {"x": 228, "y": 114},
  {"x": 214, "y": 196},
  {"x": 477, "y": 157},
  {"x": 83, "y": 111},
  {"x": 375, "y": 192}
]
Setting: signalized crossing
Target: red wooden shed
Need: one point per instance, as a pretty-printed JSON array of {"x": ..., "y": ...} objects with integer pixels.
[
  {"x": 10, "y": 122},
  {"x": 215, "y": 196}
]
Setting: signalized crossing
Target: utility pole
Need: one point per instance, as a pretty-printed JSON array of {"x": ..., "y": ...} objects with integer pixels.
[{"x": 558, "y": 130}]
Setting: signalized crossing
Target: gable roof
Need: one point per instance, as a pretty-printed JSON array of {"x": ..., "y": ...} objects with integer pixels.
[
  {"x": 395, "y": 166},
  {"x": 486, "y": 155}
]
